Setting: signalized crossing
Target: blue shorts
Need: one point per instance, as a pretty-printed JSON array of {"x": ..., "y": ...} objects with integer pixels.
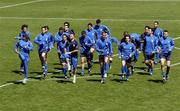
[
  {"x": 74, "y": 62},
  {"x": 166, "y": 56},
  {"x": 102, "y": 57},
  {"x": 87, "y": 55},
  {"x": 149, "y": 57}
]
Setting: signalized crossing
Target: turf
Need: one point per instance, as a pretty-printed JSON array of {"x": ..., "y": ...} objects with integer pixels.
[{"x": 142, "y": 92}]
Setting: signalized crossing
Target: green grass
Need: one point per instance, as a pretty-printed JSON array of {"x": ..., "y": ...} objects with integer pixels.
[{"x": 142, "y": 92}]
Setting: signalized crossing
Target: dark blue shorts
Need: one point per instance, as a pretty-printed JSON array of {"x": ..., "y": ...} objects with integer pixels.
[
  {"x": 87, "y": 55},
  {"x": 102, "y": 57},
  {"x": 166, "y": 56},
  {"x": 149, "y": 57}
]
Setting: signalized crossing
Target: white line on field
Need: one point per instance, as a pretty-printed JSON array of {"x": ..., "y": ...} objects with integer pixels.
[
  {"x": 85, "y": 19},
  {"x": 177, "y": 48},
  {"x": 7, "y": 84},
  {"x": 18, "y": 4},
  {"x": 176, "y": 38}
]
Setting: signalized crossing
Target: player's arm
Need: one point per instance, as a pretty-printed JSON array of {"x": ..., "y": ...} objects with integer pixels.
[{"x": 16, "y": 48}]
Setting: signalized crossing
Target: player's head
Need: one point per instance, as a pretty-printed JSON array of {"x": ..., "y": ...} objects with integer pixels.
[
  {"x": 125, "y": 33},
  {"x": 66, "y": 28},
  {"x": 43, "y": 29},
  {"x": 127, "y": 38},
  {"x": 83, "y": 33},
  {"x": 166, "y": 33},
  {"x": 72, "y": 36},
  {"x": 64, "y": 36},
  {"x": 146, "y": 29},
  {"x": 61, "y": 29},
  {"x": 98, "y": 22},
  {"x": 67, "y": 24},
  {"x": 24, "y": 27},
  {"x": 46, "y": 28},
  {"x": 156, "y": 24},
  {"x": 104, "y": 35},
  {"x": 90, "y": 26},
  {"x": 150, "y": 31}
]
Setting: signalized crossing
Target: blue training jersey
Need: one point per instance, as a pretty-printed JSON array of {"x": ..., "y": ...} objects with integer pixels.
[
  {"x": 63, "y": 48},
  {"x": 22, "y": 34},
  {"x": 100, "y": 29},
  {"x": 158, "y": 32},
  {"x": 85, "y": 44},
  {"x": 126, "y": 50},
  {"x": 166, "y": 44},
  {"x": 135, "y": 39},
  {"x": 44, "y": 42},
  {"x": 150, "y": 44},
  {"x": 104, "y": 47},
  {"x": 92, "y": 35},
  {"x": 24, "y": 47}
]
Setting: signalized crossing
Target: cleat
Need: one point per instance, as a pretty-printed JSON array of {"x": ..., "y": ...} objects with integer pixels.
[
  {"x": 122, "y": 76},
  {"x": 24, "y": 81},
  {"x": 102, "y": 81},
  {"x": 22, "y": 69},
  {"x": 164, "y": 79},
  {"x": 105, "y": 75},
  {"x": 74, "y": 79},
  {"x": 89, "y": 71},
  {"x": 167, "y": 77},
  {"x": 66, "y": 77}
]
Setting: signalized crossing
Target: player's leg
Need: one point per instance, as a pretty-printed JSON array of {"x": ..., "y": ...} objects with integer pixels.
[
  {"x": 123, "y": 68},
  {"x": 82, "y": 64},
  {"x": 106, "y": 66},
  {"x": 89, "y": 62},
  {"x": 91, "y": 54},
  {"x": 101, "y": 62},
  {"x": 163, "y": 60},
  {"x": 110, "y": 62},
  {"x": 74, "y": 68},
  {"x": 45, "y": 66},
  {"x": 64, "y": 64}
]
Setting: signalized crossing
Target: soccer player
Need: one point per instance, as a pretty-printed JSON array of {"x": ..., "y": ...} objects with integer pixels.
[
  {"x": 68, "y": 30},
  {"x": 100, "y": 28},
  {"x": 24, "y": 32},
  {"x": 158, "y": 32},
  {"x": 44, "y": 41},
  {"x": 165, "y": 47},
  {"x": 149, "y": 48},
  {"x": 63, "y": 48},
  {"x": 85, "y": 46},
  {"x": 73, "y": 53},
  {"x": 23, "y": 48},
  {"x": 104, "y": 49},
  {"x": 91, "y": 33},
  {"x": 126, "y": 51},
  {"x": 58, "y": 38}
]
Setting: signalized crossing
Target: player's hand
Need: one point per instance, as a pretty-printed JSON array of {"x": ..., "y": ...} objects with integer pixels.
[{"x": 68, "y": 53}]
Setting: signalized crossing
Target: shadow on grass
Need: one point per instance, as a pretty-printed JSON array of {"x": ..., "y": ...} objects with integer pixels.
[
  {"x": 119, "y": 80},
  {"x": 64, "y": 81},
  {"x": 17, "y": 72},
  {"x": 156, "y": 81},
  {"x": 57, "y": 76},
  {"x": 39, "y": 77},
  {"x": 142, "y": 68},
  {"x": 93, "y": 80},
  {"x": 143, "y": 73}
]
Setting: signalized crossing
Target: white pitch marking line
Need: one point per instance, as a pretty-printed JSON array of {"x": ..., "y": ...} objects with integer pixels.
[
  {"x": 7, "y": 84},
  {"x": 83, "y": 19},
  {"x": 177, "y": 48},
  {"x": 176, "y": 38},
  {"x": 18, "y": 4}
]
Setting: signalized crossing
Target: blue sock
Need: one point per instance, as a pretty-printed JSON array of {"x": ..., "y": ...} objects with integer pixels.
[
  {"x": 127, "y": 72},
  {"x": 102, "y": 71},
  {"x": 65, "y": 71},
  {"x": 82, "y": 71},
  {"x": 123, "y": 69},
  {"x": 106, "y": 67}
]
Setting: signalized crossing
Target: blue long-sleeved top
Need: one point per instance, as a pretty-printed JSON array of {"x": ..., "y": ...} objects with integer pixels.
[
  {"x": 85, "y": 44},
  {"x": 63, "y": 48},
  {"x": 150, "y": 44},
  {"x": 58, "y": 37},
  {"x": 158, "y": 32},
  {"x": 22, "y": 34},
  {"x": 136, "y": 39},
  {"x": 104, "y": 47},
  {"x": 166, "y": 44},
  {"x": 100, "y": 28},
  {"x": 126, "y": 50},
  {"x": 44, "y": 41},
  {"x": 24, "y": 47},
  {"x": 92, "y": 35}
]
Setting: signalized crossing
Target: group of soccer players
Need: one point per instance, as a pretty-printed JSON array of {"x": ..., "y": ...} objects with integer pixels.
[{"x": 152, "y": 42}]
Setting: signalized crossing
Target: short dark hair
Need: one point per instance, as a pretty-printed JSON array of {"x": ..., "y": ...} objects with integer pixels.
[
  {"x": 67, "y": 23},
  {"x": 156, "y": 22},
  {"x": 24, "y": 25},
  {"x": 98, "y": 21},
  {"x": 147, "y": 27},
  {"x": 165, "y": 30},
  {"x": 90, "y": 24},
  {"x": 61, "y": 28},
  {"x": 47, "y": 27},
  {"x": 83, "y": 32}
]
